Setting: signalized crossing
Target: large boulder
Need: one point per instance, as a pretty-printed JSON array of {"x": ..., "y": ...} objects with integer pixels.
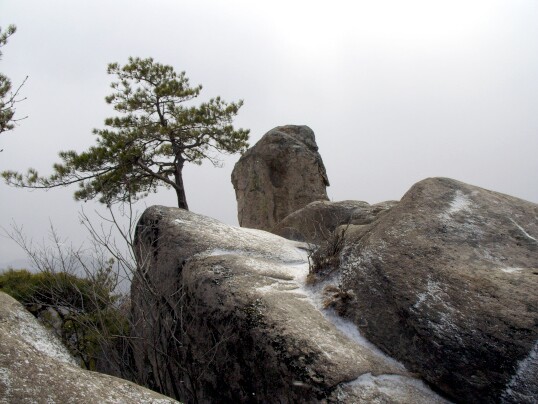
[
  {"x": 36, "y": 368},
  {"x": 447, "y": 282},
  {"x": 317, "y": 221},
  {"x": 281, "y": 173},
  {"x": 223, "y": 315}
]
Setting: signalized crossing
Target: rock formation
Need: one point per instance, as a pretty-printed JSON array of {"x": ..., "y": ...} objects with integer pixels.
[
  {"x": 281, "y": 173},
  {"x": 229, "y": 308},
  {"x": 317, "y": 221},
  {"x": 447, "y": 282},
  {"x": 36, "y": 368}
]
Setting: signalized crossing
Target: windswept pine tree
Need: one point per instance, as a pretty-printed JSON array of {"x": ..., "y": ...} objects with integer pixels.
[{"x": 157, "y": 130}]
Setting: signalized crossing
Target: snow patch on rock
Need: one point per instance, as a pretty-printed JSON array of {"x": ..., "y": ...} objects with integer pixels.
[
  {"x": 314, "y": 294},
  {"x": 242, "y": 241},
  {"x": 511, "y": 270},
  {"x": 523, "y": 231},
  {"x": 518, "y": 388},
  {"x": 290, "y": 275},
  {"x": 431, "y": 293},
  {"x": 351, "y": 331},
  {"x": 460, "y": 202},
  {"x": 37, "y": 336},
  {"x": 499, "y": 263},
  {"x": 435, "y": 296},
  {"x": 367, "y": 388},
  {"x": 388, "y": 382}
]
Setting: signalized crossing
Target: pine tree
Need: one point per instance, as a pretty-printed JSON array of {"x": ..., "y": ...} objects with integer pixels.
[
  {"x": 156, "y": 132},
  {"x": 8, "y": 98}
]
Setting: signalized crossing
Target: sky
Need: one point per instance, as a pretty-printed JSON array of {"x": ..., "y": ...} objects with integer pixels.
[{"x": 395, "y": 91}]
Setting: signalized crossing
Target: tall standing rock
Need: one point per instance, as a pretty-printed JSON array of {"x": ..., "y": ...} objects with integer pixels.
[{"x": 280, "y": 174}]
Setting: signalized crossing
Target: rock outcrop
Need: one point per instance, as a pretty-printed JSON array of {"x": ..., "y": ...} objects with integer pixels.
[
  {"x": 229, "y": 308},
  {"x": 281, "y": 173},
  {"x": 316, "y": 222},
  {"x": 36, "y": 368},
  {"x": 447, "y": 282}
]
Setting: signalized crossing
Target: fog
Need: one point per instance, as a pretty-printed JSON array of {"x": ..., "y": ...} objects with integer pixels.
[{"x": 394, "y": 91}]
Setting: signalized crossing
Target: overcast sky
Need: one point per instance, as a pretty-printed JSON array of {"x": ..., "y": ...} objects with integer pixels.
[{"x": 395, "y": 91}]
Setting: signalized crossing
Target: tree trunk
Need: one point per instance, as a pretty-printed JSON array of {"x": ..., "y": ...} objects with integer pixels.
[{"x": 180, "y": 188}]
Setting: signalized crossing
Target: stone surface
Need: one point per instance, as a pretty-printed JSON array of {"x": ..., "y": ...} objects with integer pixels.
[
  {"x": 317, "y": 221},
  {"x": 281, "y": 173},
  {"x": 36, "y": 368},
  {"x": 246, "y": 319},
  {"x": 447, "y": 282}
]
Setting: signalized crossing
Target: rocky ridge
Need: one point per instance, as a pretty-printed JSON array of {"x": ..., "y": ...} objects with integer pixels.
[
  {"x": 241, "y": 295},
  {"x": 444, "y": 281}
]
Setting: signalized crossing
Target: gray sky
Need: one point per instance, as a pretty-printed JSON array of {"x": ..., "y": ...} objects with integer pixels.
[{"x": 396, "y": 91}]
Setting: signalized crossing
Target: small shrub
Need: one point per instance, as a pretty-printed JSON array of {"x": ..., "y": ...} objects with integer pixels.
[
  {"x": 20, "y": 284},
  {"x": 325, "y": 259},
  {"x": 334, "y": 297}
]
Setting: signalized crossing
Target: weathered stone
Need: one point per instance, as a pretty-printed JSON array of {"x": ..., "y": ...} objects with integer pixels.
[
  {"x": 247, "y": 329},
  {"x": 373, "y": 212},
  {"x": 447, "y": 282},
  {"x": 36, "y": 368},
  {"x": 281, "y": 173},
  {"x": 317, "y": 221}
]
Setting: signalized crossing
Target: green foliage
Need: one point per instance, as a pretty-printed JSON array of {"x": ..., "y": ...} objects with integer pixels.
[
  {"x": 89, "y": 315},
  {"x": 6, "y": 113},
  {"x": 19, "y": 284},
  {"x": 4, "y": 36},
  {"x": 55, "y": 289},
  {"x": 147, "y": 144},
  {"x": 7, "y": 97}
]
